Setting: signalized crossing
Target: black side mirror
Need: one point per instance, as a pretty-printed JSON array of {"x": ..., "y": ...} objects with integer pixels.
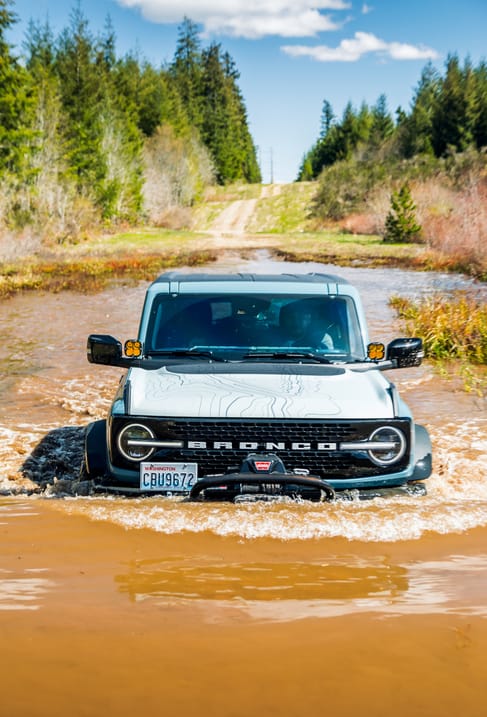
[
  {"x": 405, "y": 353},
  {"x": 104, "y": 349}
]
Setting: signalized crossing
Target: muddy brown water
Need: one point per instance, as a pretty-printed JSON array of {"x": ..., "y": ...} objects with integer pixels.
[{"x": 159, "y": 607}]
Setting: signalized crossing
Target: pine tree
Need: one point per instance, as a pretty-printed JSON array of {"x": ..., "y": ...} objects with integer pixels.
[
  {"x": 82, "y": 99},
  {"x": 381, "y": 125},
  {"x": 249, "y": 170},
  {"x": 105, "y": 150},
  {"x": 480, "y": 131},
  {"x": 454, "y": 114},
  {"x": 186, "y": 69},
  {"x": 15, "y": 105},
  {"x": 401, "y": 224},
  {"x": 416, "y": 129},
  {"x": 224, "y": 129},
  {"x": 327, "y": 119}
]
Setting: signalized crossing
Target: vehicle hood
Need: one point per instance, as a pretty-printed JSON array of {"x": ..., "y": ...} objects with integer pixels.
[{"x": 221, "y": 391}]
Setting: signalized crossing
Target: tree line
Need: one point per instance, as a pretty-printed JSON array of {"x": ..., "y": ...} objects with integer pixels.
[
  {"x": 448, "y": 115},
  {"x": 88, "y": 135}
]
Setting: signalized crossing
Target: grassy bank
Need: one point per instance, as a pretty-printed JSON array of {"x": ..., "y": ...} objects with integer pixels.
[
  {"x": 142, "y": 254},
  {"x": 356, "y": 250},
  {"x": 91, "y": 274},
  {"x": 454, "y": 333}
]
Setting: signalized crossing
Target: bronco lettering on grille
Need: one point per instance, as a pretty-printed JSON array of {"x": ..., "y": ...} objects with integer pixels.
[{"x": 267, "y": 446}]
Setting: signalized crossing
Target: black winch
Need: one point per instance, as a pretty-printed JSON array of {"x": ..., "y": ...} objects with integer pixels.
[{"x": 261, "y": 476}]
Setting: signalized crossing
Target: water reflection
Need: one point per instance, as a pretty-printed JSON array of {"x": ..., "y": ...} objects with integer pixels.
[
  {"x": 260, "y": 581},
  {"x": 278, "y": 592},
  {"x": 23, "y": 591}
]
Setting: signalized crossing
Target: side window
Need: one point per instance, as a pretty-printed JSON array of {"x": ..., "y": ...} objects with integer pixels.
[{"x": 180, "y": 322}]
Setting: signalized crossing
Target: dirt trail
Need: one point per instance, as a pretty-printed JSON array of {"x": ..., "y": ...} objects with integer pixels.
[{"x": 232, "y": 222}]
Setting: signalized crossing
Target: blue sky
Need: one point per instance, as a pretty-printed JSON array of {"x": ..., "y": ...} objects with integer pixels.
[{"x": 293, "y": 54}]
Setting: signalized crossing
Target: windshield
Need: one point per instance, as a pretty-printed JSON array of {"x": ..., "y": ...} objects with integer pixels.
[{"x": 240, "y": 324}]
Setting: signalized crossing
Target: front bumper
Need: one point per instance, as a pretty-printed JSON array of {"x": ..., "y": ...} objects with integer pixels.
[{"x": 310, "y": 474}]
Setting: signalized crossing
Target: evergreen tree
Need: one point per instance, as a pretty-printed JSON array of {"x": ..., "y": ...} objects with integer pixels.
[
  {"x": 101, "y": 133},
  {"x": 249, "y": 170},
  {"x": 306, "y": 173},
  {"x": 224, "y": 129},
  {"x": 106, "y": 57},
  {"x": 39, "y": 46},
  {"x": 416, "y": 129},
  {"x": 324, "y": 152},
  {"x": 401, "y": 224},
  {"x": 348, "y": 133},
  {"x": 327, "y": 119},
  {"x": 82, "y": 98},
  {"x": 381, "y": 125},
  {"x": 73, "y": 121},
  {"x": 186, "y": 69},
  {"x": 454, "y": 114},
  {"x": 15, "y": 106},
  {"x": 480, "y": 130}
]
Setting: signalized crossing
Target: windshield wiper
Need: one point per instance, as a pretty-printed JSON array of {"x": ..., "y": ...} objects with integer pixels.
[
  {"x": 191, "y": 353},
  {"x": 297, "y": 355}
]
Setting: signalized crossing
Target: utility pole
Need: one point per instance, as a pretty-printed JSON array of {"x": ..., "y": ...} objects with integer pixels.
[{"x": 272, "y": 165}]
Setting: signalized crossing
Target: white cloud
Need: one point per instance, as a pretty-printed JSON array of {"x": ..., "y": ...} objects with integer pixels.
[
  {"x": 363, "y": 43},
  {"x": 245, "y": 18}
]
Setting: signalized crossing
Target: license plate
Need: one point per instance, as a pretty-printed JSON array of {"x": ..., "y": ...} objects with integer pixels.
[{"x": 171, "y": 477}]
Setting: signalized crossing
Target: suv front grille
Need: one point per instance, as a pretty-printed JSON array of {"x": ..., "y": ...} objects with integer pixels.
[{"x": 323, "y": 463}]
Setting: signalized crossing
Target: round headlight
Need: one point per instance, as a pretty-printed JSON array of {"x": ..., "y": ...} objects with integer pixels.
[
  {"x": 132, "y": 442},
  {"x": 388, "y": 445}
]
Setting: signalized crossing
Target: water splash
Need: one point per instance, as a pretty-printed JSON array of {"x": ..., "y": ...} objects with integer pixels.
[{"x": 456, "y": 502}]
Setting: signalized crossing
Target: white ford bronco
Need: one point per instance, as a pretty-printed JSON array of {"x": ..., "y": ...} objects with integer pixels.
[{"x": 250, "y": 385}]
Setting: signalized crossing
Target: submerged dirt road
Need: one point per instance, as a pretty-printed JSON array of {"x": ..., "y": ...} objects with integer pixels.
[{"x": 158, "y": 607}]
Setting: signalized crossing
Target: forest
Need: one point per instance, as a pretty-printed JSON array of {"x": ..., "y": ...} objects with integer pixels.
[
  {"x": 420, "y": 176},
  {"x": 87, "y": 137},
  {"x": 448, "y": 115},
  {"x": 90, "y": 139}
]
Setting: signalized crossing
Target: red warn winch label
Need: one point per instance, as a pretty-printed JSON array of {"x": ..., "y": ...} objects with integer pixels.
[{"x": 262, "y": 465}]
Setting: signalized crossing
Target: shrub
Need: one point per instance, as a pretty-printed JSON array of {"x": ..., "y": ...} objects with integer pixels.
[
  {"x": 459, "y": 230},
  {"x": 345, "y": 187},
  {"x": 451, "y": 328}
]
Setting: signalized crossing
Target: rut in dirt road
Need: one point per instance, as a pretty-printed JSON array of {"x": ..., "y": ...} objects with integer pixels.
[{"x": 234, "y": 219}]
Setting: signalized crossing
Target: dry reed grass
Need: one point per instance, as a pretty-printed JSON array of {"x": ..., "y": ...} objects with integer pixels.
[
  {"x": 92, "y": 274},
  {"x": 451, "y": 328}
]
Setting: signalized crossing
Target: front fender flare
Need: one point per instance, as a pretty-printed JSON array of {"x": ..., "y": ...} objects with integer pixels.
[{"x": 423, "y": 454}]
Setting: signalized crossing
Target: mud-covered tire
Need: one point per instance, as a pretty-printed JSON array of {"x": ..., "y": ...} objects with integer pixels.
[{"x": 94, "y": 463}]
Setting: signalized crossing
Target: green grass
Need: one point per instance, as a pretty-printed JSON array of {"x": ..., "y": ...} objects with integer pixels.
[
  {"x": 134, "y": 241},
  {"x": 352, "y": 250},
  {"x": 233, "y": 192},
  {"x": 287, "y": 210}
]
